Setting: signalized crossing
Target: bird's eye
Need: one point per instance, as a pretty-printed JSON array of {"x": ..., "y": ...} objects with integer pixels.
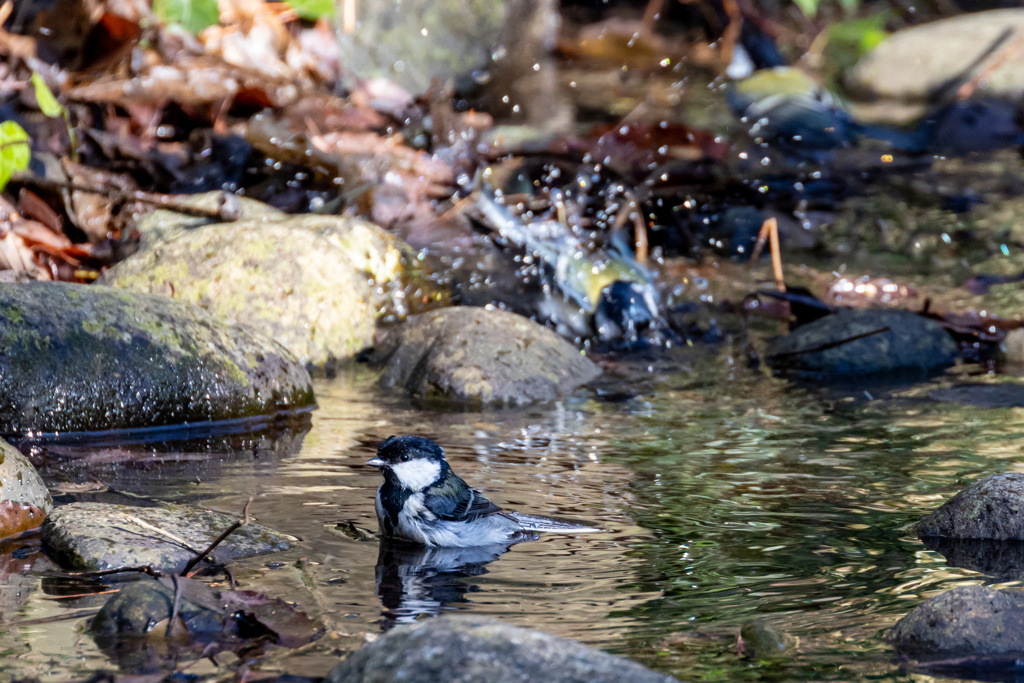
[{"x": 405, "y": 457}]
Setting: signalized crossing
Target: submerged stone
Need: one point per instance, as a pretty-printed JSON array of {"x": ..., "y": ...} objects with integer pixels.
[
  {"x": 965, "y": 622},
  {"x": 481, "y": 355},
  {"x": 991, "y": 508},
  {"x": 864, "y": 343},
  {"x": 93, "y": 536},
  {"x": 464, "y": 649},
  {"x": 86, "y": 358}
]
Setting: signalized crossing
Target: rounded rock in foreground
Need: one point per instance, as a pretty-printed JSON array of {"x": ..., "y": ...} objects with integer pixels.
[
  {"x": 462, "y": 649},
  {"x": 87, "y": 358},
  {"x": 967, "y": 621},
  {"x": 481, "y": 355},
  {"x": 991, "y": 508},
  {"x": 864, "y": 343}
]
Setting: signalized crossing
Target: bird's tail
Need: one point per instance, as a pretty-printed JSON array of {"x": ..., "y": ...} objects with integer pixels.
[{"x": 535, "y": 523}]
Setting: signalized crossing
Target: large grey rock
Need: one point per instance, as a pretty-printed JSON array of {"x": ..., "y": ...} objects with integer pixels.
[
  {"x": 858, "y": 343},
  {"x": 481, "y": 355},
  {"x": 990, "y": 508},
  {"x": 78, "y": 358},
  {"x": 967, "y": 621},
  {"x": 20, "y": 482},
  {"x": 92, "y": 536},
  {"x": 462, "y": 649},
  {"x": 930, "y": 55}
]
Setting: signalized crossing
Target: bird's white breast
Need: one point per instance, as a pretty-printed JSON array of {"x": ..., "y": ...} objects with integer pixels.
[{"x": 417, "y": 475}]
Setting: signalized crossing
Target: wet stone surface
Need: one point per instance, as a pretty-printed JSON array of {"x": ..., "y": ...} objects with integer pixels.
[
  {"x": 481, "y": 355},
  {"x": 93, "y": 536},
  {"x": 991, "y": 508},
  {"x": 967, "y": 621},
  {"x": 465, "y": 649},
  {"x": 87, "y": 358},
  {"x": 858, "y": 343}
]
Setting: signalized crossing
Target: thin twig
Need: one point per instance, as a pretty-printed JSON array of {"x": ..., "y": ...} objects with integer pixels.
[
  {"x": 161, "y": 201},
  {"x": 220, "y": 539},
  {"x": 829, "y": 345},
  {"x": 162, "y": 532},
  {"x": 770, "y": 233}
]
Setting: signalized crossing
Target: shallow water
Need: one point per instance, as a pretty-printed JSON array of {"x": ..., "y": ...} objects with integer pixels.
[{"x": 724, "y": 494}]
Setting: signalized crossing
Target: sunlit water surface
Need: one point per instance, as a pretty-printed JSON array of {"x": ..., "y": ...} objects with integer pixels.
[{"x": 723, "y": 495}]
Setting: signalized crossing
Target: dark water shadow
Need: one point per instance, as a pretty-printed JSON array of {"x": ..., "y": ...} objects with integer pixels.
[
  {"x": 414, "y": 581},
  {"x": 1000, "y": 560}
]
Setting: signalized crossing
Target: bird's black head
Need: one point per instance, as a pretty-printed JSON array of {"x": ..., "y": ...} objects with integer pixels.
[
  {"x": 623, "y": 311},
  {"x": 414, "y": 462}
]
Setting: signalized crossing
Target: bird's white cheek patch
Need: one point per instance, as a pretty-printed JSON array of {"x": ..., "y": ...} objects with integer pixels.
[{"x": 417, "y": 474}]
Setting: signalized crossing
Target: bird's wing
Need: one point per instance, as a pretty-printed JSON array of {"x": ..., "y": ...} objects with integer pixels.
[{"x": 454, "y": 501}]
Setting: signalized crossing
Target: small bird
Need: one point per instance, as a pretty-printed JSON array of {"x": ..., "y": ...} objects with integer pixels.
[
  {"x": 787, "y": 108},
  {"x": 423, "y": 501},
  {"x": 603, "y": 293}
]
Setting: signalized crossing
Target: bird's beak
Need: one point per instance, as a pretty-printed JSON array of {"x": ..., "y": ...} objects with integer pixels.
[{"x": 376, "y": 462}]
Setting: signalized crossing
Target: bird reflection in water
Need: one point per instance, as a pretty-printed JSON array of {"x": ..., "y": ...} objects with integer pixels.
[{"x": 415, "y": 581}]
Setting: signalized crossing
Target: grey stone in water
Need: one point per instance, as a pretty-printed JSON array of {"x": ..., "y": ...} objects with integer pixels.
[
  {"x": 19, "y": 480},
  {"x": 463, "y": 649},
  {"x": 930, "y": 55},
  {"x": 138, "y": 606},
  {"x": 895, "y": 342},
  {"x": 967, "y": 621},
  {"x": 760, "y": 639},
  {"x": 481, "y": 355},
  {"x": 86, "y": 358},
  {"x": 93, "y": 536},
  {"x": 990, "y": 508}
]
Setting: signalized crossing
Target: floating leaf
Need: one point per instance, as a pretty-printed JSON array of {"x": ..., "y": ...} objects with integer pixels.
[
  {"x": 48, "y": 103},
  {"x": 192, "y": 15},
  {"x": 14, "y": 151}
]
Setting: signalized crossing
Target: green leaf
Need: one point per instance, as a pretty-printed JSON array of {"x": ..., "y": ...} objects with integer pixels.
[
  {"x": 48, "y": 103},
  {"x": 14, "y": 151},
  {"x": 192, "y": 15},
  {"x": 313, "y": 9},
  {"x": 808, "y": 7}
]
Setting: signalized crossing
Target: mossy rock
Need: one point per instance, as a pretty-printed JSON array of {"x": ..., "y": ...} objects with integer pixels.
[
  {"x": 164, "y": 224},
  {"x": 86, "y": 358},
  {"x": 287, "y": 282},
  {"x": 316, "y": 284}
]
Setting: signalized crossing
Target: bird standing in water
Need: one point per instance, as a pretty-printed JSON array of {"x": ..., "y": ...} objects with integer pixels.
[{"x": 423, "y": 501}]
